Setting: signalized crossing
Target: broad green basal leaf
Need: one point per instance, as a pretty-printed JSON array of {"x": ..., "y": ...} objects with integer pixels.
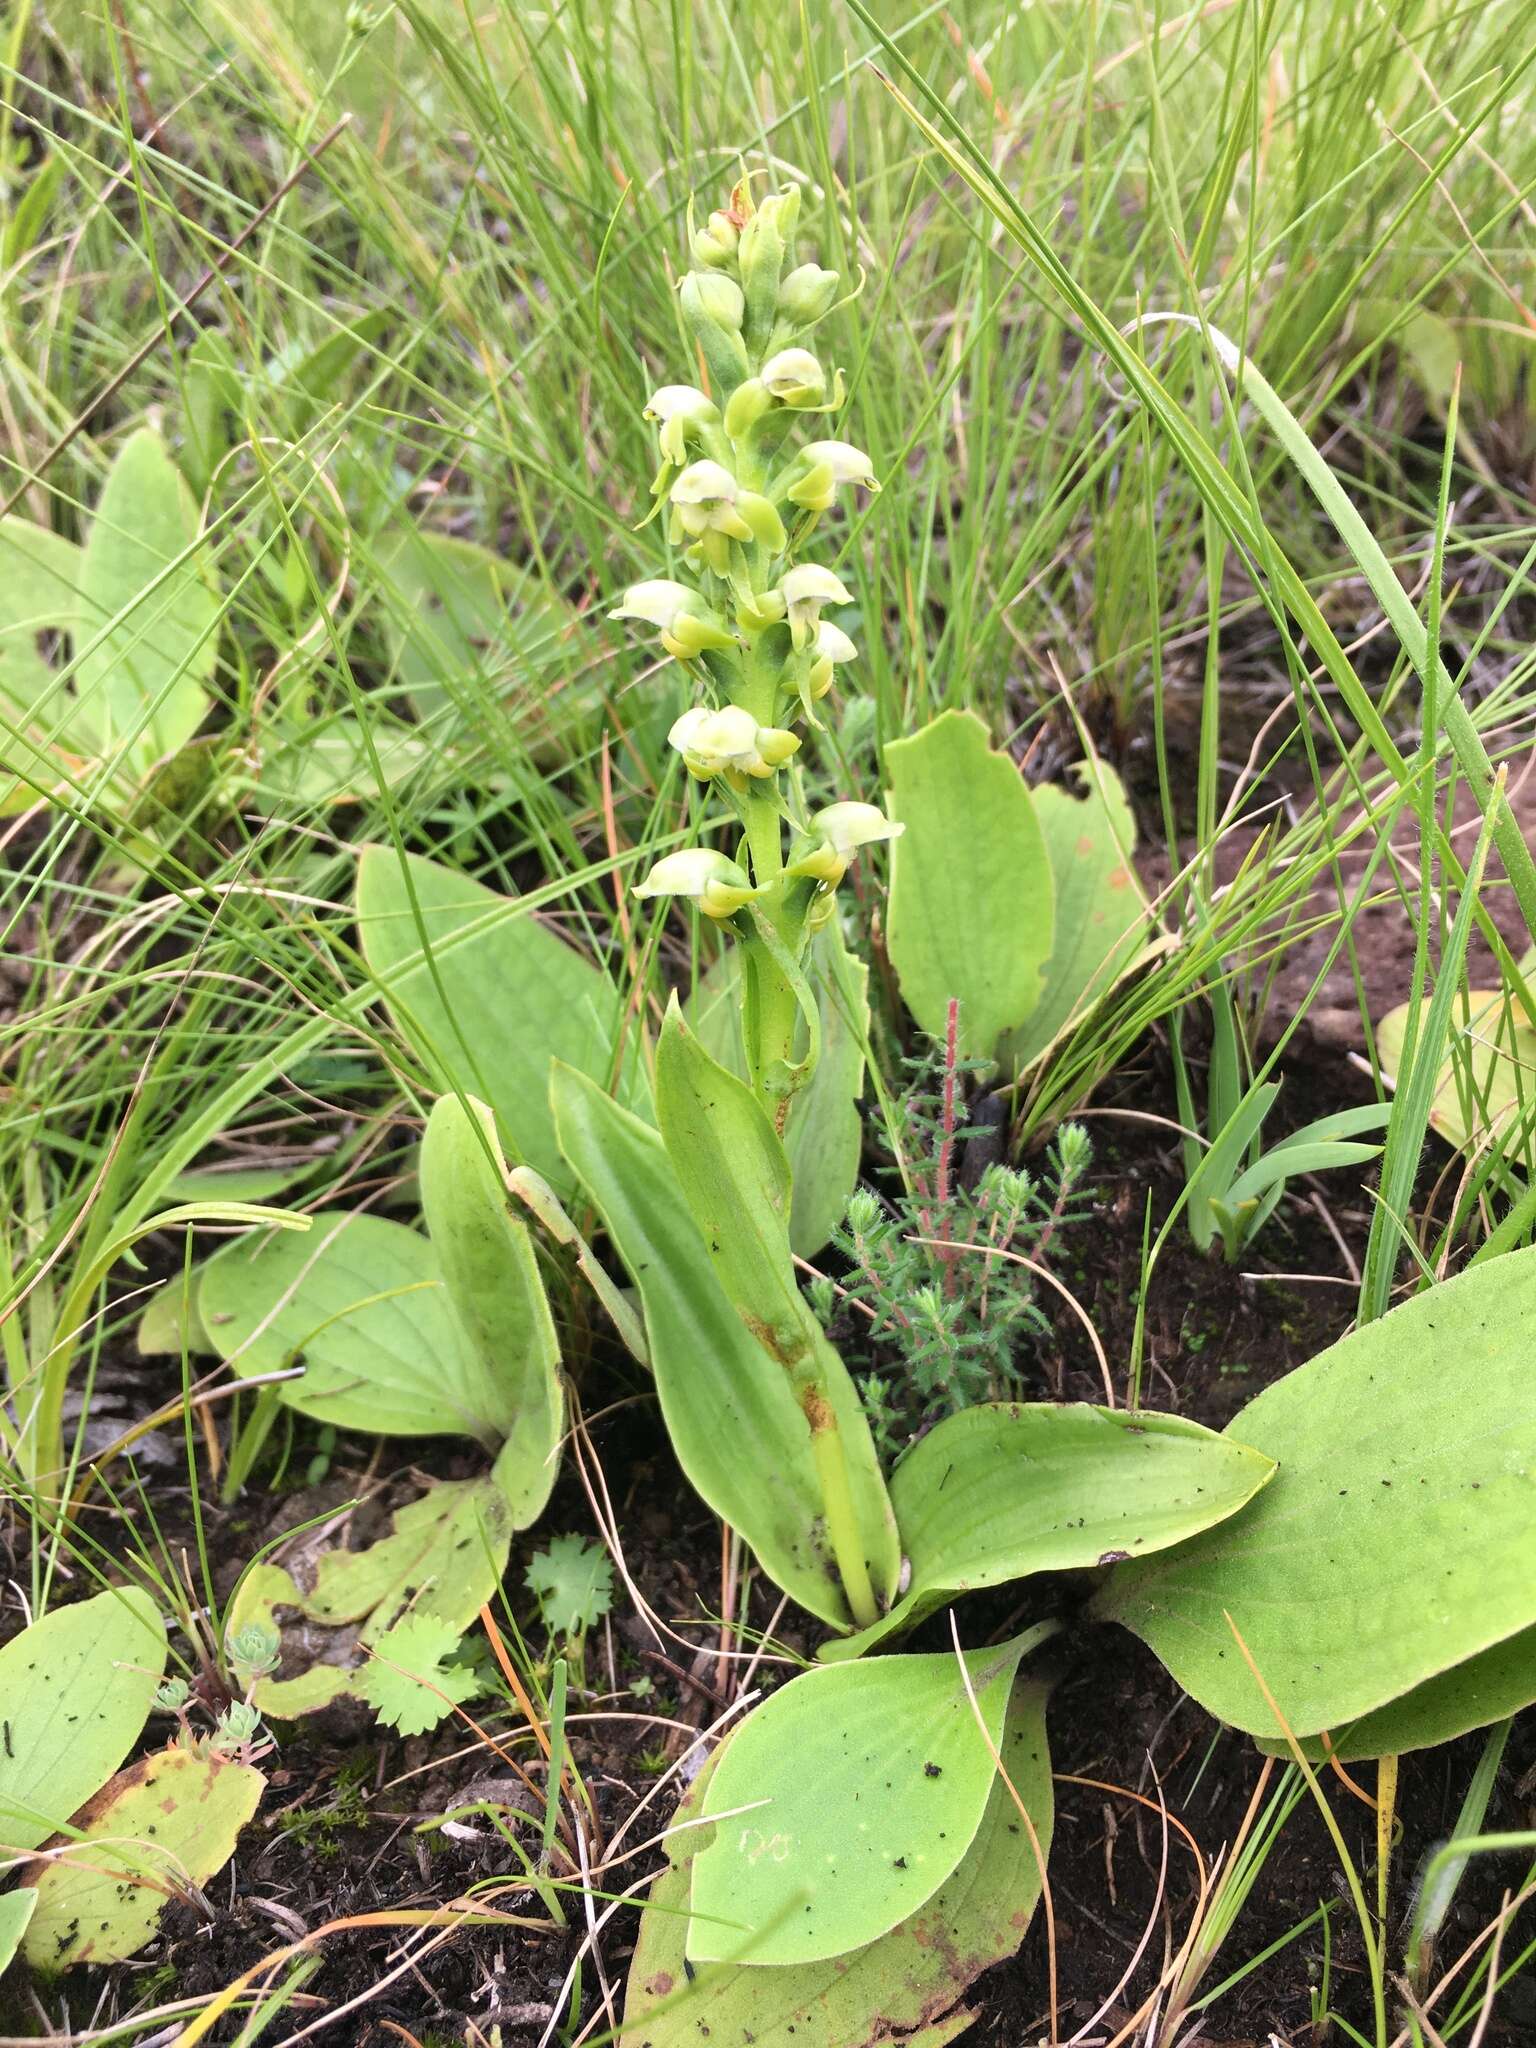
[
  {"x": 165, "y": 1823},
  {"x": 146, "y": 617},
  {"x": 333, "y": 760},
  {"x": 361, "y": 1304},
  {"x": 499, "y": 997},
  {"x": 1395, "y": 1541},
  {"x": 75, "y": 1691},
  {"x": 737, "y": 1430},
  {"x": 734, "y": 1176},
  {"x": 1101, "y": 914},
  {"x": 901, "y": 1987},
  {"x": 824, "y": 1135},
  {"x": 972, "y": 904},
  {"x": 848, "y": 1797},
  {"x": 493, "y": 1283},
  {"x": 999, "y": 1491},
  {"x": 458, "y": 618},
  {"x": 1496, "y": 1682}
]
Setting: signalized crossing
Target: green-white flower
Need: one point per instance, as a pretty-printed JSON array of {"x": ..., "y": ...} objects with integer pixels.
[
  {"x": 823, "y": 465},
  {"x": 730, "y": 742},
  {"x": 710, "y": 509},
  {"x": 676, "y": 408},
  {"x": 830, "y": 647},
  {"x": 794, "y": 378},
  {"x": 836, "y": 835},
  {"x": 716, "y": 884},
  {"x": 687, "y": 626},
  {"x": 805, "y": 590}
]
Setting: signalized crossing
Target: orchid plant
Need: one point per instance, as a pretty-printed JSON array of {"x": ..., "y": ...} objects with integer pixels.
[{"x": 743, "y": 498}]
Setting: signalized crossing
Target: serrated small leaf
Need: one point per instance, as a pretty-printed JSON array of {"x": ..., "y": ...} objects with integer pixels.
[
  {"x": 441, "y": 1561},
  {"x": 972, "y": 900},
  {"x": 75, "y": 1691},
  {"x": 573, "y": 1581},
  {"x": 853, "y": 1793},
  {"x": 165, "y": 1823},
  {"x": 409, "y": 1682}
]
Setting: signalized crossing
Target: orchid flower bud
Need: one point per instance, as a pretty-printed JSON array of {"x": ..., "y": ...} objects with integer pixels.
[
  {"x": 795, "y": 378},
  {"x": 825, "y": 465},
  {"x": 714, "y": 244},
  {"x": 730, "y": 742},
  {"x": 765, "y": 241},
  {"x": 745, "y": 407},
  {"x": 716, "y": 884},
  {"x": 677, "y": 408},
  {"x": 805, "y": 590},
  {"x": 713, "y": 309},
  {"x": 830, "y": 646},
  {"x": 807, "y": 295},
  {"x": 687, "y": 626},
  {"x": 836, "y": 835}
]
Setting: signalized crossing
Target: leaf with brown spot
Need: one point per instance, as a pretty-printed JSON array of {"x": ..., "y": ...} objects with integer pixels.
[{"x": 160, "y": 1826}]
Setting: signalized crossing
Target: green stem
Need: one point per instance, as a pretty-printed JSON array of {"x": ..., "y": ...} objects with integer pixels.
[{"x": 842, "y": 1522}]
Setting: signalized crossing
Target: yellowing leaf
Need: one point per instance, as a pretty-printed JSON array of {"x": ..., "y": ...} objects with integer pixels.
[
  {"x": 162, "y": 1825},
  {"x": 442, "y": 1560},
  {"x": 1487, "y": 1085}
]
